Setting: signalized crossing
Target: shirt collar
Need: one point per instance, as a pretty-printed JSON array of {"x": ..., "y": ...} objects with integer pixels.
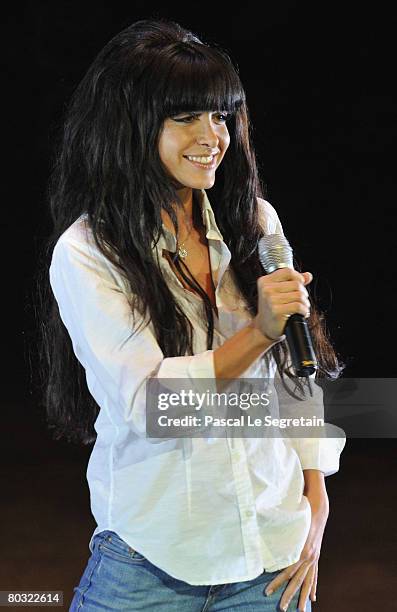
[{"x": 168, "y": 240}]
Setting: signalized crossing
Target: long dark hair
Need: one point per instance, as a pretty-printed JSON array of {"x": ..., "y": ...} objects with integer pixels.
[{"x": 107, "y": 164}]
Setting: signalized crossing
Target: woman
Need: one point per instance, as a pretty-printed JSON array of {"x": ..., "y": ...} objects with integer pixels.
[{"x": 151, "y": 280}]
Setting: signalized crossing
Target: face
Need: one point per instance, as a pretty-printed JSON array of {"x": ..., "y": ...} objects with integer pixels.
[{"x": 192, "y": 146}]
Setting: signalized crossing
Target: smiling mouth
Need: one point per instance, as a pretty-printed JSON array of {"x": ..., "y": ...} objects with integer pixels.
[{"x": 204, "y": 161}]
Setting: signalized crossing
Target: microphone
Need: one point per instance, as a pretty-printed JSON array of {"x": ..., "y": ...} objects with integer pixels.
[{"x": 274, "y": 253}]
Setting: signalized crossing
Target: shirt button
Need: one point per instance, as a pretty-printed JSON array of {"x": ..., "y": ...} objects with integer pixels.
[{"x": 249, "y": 513}]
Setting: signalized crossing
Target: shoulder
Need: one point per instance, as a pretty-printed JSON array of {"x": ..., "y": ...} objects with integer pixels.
[
  {"x": 77, "y": 239},
  {"x": 76, "y": 249},
  {"x": 268, "y": 217},
  {"x": 78, "y": 232}
]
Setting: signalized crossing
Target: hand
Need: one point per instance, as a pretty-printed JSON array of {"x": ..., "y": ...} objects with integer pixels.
[
  {"x": 281, "y": 294},
  {"x": 303, "y": 574}
]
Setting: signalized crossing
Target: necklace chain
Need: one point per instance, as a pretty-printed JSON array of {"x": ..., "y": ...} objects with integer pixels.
[{"x": 182, "y": 252}]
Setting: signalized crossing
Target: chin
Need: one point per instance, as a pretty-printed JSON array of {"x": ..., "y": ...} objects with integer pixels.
[{"x": 205, "y": 183}]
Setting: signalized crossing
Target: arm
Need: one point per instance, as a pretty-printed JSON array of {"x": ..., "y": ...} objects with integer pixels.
[
  {"x": 95, "y": 310},
  {"x": 315, "y": 490},
  {"x": 315, "y": 454},
  {"x": 238, "y": 352},
  {"x": 314, "y": 480}
]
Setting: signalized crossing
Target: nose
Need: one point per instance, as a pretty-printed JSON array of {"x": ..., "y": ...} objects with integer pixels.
[{"x": 207, "y": 134}]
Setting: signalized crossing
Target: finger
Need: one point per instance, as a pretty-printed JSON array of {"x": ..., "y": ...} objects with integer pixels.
[
  {"x": 294, "y": 584},
  {"x": 283, "y": 576},
  {"x": 313, "y": 590},
  {"x": 286, "y": 274},
  {"x": 294, "y": 296},
  {"x": 306, "y": 588},
  {"x": 280, "y": 310},
  {"x": 284, "y": 286}
]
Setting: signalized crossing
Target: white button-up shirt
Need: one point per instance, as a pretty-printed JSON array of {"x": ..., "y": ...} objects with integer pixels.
[{"x": 205, "y": 510}]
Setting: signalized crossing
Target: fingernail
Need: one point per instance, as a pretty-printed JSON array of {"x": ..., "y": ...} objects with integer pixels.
[{"x": 269, "y": 591}]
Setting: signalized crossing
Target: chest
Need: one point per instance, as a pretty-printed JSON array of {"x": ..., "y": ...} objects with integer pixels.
[{"x": 199, "y": 265}]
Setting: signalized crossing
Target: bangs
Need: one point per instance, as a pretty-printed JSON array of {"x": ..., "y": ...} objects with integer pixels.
[{"x": 200, "y": 82}]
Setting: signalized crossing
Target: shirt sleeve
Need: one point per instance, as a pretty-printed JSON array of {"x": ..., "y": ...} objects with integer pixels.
[
  {"x": 268, "y": 218},
  {"x": 97, "y": 315},
  {"x": 314, "y": 453}
]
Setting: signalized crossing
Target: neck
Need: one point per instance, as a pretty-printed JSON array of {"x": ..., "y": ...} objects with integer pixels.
[
  {"x": 184, "y": 216},
  {"x": 186, "y": 197}
]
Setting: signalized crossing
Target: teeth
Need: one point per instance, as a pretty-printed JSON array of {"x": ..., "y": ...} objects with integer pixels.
[{"x": 201, "y": 160}]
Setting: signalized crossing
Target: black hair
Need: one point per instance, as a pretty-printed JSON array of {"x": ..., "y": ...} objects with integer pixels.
[{"x": 107, "y": 164}]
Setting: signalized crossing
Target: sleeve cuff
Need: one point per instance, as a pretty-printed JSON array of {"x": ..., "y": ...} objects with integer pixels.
[
  {"x": 193, "y": 373},
  {"x": 321, "y": 453},
  {"x": 201, "y": 371}
]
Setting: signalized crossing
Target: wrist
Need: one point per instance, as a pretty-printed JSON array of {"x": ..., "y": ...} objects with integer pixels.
[
  {"x": 264, "y": 336},
  {"x": 258, "y": 338}
]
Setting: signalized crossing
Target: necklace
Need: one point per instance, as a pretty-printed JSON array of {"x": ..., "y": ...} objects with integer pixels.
[{"x": 182, "y": 252}]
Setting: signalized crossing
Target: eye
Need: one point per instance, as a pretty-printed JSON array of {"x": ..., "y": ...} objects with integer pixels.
[
  {"x": 224, "y": 116},
  {"x": 187, "y": 119},
  {"x": 221, "y": 116}
]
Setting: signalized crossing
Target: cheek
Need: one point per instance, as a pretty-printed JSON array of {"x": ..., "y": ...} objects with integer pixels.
[
  {"x": 168, "y": 146},
  {"x": 226, "y": 141},
  {"x": 161, "y": 150}
]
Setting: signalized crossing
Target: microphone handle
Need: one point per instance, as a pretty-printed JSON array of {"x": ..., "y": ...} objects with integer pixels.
[{"x": 300, "y": 345}]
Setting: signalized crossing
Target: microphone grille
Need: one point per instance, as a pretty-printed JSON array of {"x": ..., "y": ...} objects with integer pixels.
[{"x": 275, "y": 252}]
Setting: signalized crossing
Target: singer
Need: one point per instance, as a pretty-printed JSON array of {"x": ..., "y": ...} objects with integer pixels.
[{"x": 151, "y": 276}]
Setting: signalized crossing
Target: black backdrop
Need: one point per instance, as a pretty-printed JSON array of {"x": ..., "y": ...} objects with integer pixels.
[
  {"x": 319, "y": 83},
  {"x": 319, "y": 86}
]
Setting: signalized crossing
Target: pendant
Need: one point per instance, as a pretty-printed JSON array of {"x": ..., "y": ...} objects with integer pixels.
[{"x": 182, "y": 252}]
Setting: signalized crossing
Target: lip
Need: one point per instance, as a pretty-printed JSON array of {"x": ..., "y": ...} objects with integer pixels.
[{"x": 210, "y": 166}]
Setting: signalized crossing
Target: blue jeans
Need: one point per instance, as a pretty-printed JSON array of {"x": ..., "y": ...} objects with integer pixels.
[{"x": 119, "y": 578}]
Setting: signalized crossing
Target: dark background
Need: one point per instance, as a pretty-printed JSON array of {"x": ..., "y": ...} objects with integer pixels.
[{"x": 319, "y": 83}]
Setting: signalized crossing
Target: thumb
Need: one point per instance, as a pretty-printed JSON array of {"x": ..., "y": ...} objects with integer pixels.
[{"x": 308, "y": 277}]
